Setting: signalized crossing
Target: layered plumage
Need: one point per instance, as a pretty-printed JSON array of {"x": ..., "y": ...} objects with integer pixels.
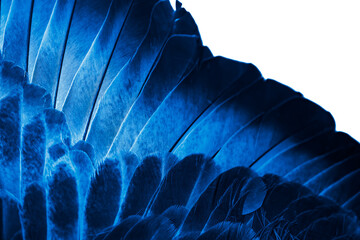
[{"x": 117, "y": 123}]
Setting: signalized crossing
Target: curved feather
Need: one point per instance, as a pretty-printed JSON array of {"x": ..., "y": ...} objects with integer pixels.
[
  {"x": 94, "y": 11},
  {"x": 201, "y": 211},
  {"x": 188, "y": 100},
  {"x": 84, "y": 86},
  {"x": 16, "y": 34},
  {"x": 227, "y": 230},
  {"x": 182, "y": 181},
  {"x": 128, "y": 83},
  {"x": 142, "y": 186},
  {"x": 41, "y": 13},
  {"x": 232, "y": 114},
  {"x": 47, "y": 64},
  {"x": 121, "y": 229}
]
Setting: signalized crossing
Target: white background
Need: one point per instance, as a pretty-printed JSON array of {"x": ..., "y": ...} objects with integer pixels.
[{"x": 312, "y": 46}]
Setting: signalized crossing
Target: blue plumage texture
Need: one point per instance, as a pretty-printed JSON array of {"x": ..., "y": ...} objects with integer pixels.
[{"x": 117, "y": 123}]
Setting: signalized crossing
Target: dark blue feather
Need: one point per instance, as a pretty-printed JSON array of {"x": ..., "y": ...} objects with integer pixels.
[
  {"x": 10, "y": 216},
  {"x": 10, "y": 135},
  {"x": 120, "y": 230},
  {"x": 160, "y": 83},
  {"x": 239, "y": 200},
  {"x": 348, "y": 186},
  {"x": 334, "y": 226},
  {"x": 33, "y": 212},
  {"x": 142, "y": 186},
  {"x": 122, "y": 92},
  {"x": 189, "y": 236},
  {"x": 188, "y": 100},
  {"x": 62, "y": 202},
  {"x": 231, "y": 115},
  {"x": 151, "y": 228},
  {"x": 315, "y": 165},
  {"x": 103, "y": 198},
  {"x": 353, "y": 204},
  {"x": 176, "y": 214},
  {"x": 333, "y": 173},
  {"x": 302, "y": 212},
  {"x": 181, "y": 183},
  {"x": 209, "y": 199},
  {"x": 301, "y": 152},
  {"x": 280, "y": 196},
  {"x": 33, "y": 152},
  {"x": 228, "y": 230}
]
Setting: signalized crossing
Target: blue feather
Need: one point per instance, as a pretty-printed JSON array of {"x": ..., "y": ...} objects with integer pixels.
[
  {"x": 10, "y": 129},
  {"x": 33, "y": 153},
  {"x": 188, "y": 100},
  {"x": 16, "y": 34},
  {"x": 62, "y": 201},
  {"x": 100, "y": 99},
  {"x": 180, "y": 183},
  {"x": 79, "y": 31},
  {"x": 33, "y": 212},
  {"x": 103, "y": 198},
  {"x": 122, "y": 92},
  {"x": 121, "y": 229},
  {"x": 10, "y": 216},
  {"x": 201, "y": 211},
  {"x": 142, "y": 186}
]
